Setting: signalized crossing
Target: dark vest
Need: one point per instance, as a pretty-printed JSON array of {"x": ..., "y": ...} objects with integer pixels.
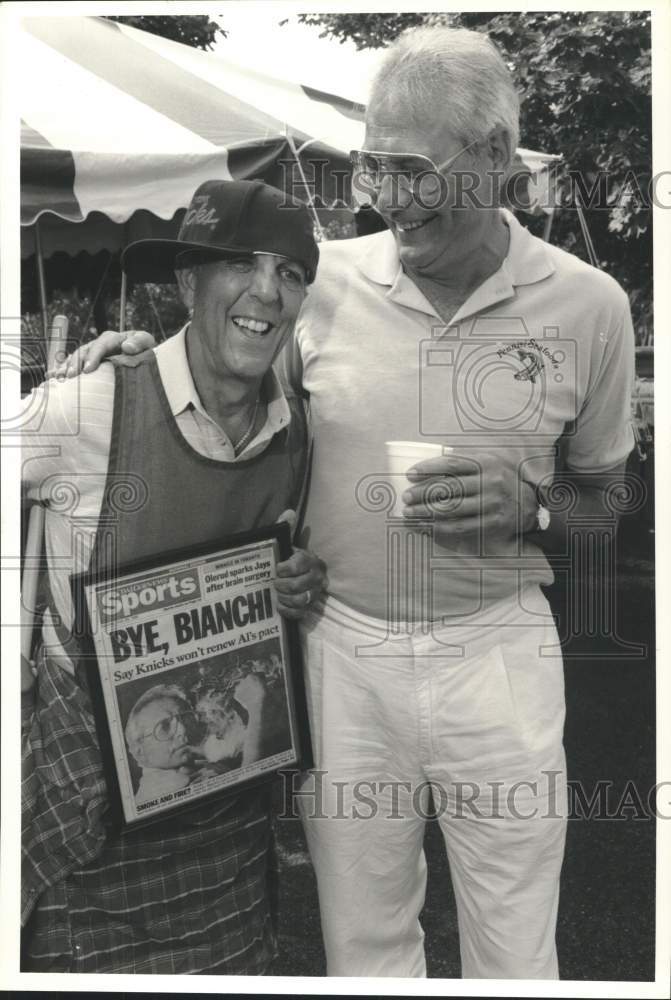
[{"x": 160, "y": 494}]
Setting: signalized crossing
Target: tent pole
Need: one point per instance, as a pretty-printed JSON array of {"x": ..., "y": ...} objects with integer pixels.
[
  {"x": 39, "y": 260},
  {"x": 586, "y": 234},
  {"x": 122, "y": 304},
  {"x": 548, "y": 225},
  {"x": 311, "y": 206}
]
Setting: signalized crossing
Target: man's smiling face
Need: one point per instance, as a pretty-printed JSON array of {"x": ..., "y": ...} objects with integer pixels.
[
  {"x": 433, "y": 229},
  {"x": 244, "y": 310}
]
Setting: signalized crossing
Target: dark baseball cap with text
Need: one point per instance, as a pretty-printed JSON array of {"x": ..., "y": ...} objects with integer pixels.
[{"x": 226, "y": 219}]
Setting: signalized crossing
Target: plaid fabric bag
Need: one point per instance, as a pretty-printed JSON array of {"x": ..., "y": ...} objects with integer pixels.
[{"x": 188, "y": 895}]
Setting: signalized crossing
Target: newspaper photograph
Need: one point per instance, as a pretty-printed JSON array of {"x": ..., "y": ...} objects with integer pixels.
[{"x": 195, "y": 679}]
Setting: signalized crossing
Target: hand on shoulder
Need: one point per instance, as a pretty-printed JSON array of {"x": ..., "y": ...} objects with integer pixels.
[{"x": 129, "y": 348}]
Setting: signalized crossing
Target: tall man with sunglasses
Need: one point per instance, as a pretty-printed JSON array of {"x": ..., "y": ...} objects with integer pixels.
[{"x": 434, "y": 664}]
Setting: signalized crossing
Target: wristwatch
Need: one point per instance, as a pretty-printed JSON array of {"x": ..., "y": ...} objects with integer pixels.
[
  {"x": 542, "y": 518},
  {"x": 542, "y": 512}
]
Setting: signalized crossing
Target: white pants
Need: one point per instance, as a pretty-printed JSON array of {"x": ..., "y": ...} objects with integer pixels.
[{"x": 483, "y": 730}]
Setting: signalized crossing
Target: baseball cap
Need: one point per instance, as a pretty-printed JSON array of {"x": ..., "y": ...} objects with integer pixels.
[{"x": 226, "y": 219}]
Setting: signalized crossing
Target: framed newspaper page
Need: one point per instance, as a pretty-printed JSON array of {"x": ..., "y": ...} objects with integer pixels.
[{"x": 196, "y": 679}]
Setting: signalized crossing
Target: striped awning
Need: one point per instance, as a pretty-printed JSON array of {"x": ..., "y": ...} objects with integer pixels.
[{"x": 117, "y": 121}]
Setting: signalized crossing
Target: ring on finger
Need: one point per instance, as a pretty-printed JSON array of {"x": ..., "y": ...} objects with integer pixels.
[{"x": 308, "y": 597}]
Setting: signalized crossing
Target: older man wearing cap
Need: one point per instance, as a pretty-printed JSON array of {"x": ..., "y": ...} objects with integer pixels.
[
  {"x": 219, "y": 447},
  {"x": 435, "y": 662}
]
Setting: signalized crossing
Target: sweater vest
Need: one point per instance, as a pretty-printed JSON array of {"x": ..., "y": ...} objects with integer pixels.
[{"x": 161, "y": 494}]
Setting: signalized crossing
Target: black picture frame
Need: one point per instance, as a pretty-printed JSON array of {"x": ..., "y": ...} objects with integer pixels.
[{"x": 209, "y": 676}]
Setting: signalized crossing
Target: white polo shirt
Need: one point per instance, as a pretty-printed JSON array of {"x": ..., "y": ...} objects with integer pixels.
[{"x": 542, "y": 350}]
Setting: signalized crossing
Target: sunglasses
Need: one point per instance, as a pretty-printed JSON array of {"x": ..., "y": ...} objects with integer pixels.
[{"x": 372, "y": 166}]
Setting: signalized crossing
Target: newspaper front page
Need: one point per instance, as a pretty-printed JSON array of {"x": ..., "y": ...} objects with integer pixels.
[{"x": 195, "y": 679}]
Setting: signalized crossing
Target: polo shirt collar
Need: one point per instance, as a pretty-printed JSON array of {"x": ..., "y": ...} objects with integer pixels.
[
  {"x": 181, "y": 392},
  {"x": 526, "y": 262}
]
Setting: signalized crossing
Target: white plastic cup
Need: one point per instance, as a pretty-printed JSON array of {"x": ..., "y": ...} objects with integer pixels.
[{"x": 401, "y": 456}]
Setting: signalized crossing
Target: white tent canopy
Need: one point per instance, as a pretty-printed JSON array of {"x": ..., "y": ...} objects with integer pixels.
[{"x": 120, "y": 126}]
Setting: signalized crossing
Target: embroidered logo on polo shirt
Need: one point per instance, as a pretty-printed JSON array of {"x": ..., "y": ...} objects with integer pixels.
[
  {"x": 531, "y": 355},
  {"x": 533, "y": 366}
]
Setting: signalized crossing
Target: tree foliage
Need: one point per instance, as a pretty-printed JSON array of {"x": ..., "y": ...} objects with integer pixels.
[
  {"x": 156, "y": 308},
  {"x": 367, "y": 31},
  {"x": 195, "y": 30},
  {"x": 585, "y": 83}
]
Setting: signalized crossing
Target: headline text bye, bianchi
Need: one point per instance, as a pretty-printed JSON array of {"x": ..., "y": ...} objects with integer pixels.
[{"x": 210, "y": 619}]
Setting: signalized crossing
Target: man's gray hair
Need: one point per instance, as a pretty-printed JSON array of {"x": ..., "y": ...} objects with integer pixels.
[{"x": 458, "y": 72}]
